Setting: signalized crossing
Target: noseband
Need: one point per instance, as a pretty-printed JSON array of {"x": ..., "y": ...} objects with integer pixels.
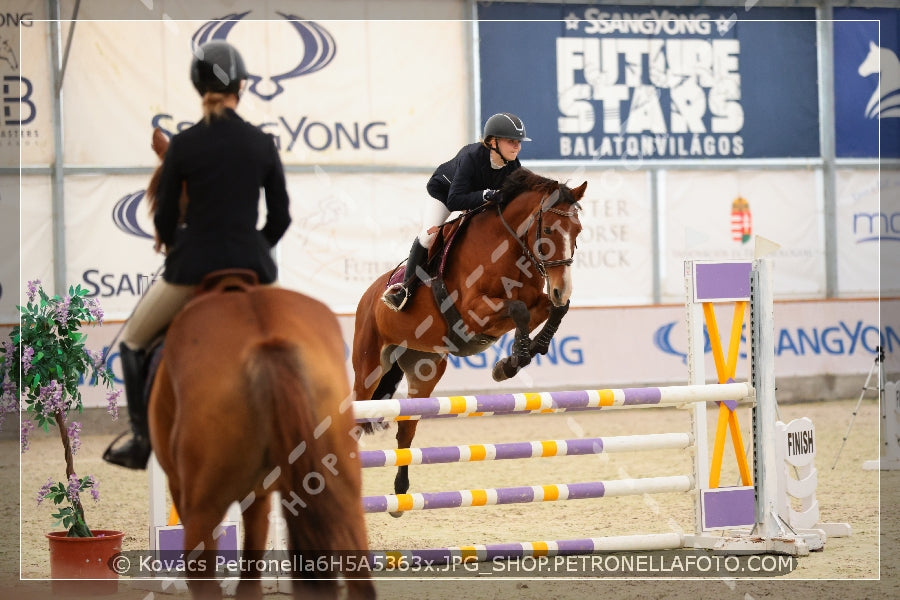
[{"x": 541, "y": 265}]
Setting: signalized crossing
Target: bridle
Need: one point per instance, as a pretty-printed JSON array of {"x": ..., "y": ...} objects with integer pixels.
[{"x": 540, "y": 264}]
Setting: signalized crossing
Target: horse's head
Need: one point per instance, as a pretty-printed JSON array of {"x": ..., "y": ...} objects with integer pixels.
[
  {"x": 160, "y": 144},
  {"x": 872, "y": 63},
  {"x": 550, "y": 229}
]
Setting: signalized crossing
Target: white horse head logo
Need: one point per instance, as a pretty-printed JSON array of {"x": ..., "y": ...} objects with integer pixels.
[{"x": 885, "y": 102}]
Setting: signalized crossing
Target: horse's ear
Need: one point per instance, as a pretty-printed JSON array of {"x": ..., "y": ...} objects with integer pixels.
[
  {"x": 578, "y": 192},
  {"x": 160, "y": 142}
]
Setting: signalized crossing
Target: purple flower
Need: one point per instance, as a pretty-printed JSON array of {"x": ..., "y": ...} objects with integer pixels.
[
  {"x": 45, "y": 489},
  {"x": 32, "y": 289},
  {"x": 62, "y": 310},
  {"x": 93, "y": 306},
  {"x": 27, "y": 428},
  {"x": 73, "y": 488},
  {"x": 112, "y": 403},
  {"x": 50, "y": 398},
  {"x": 73, "y": 431},
  {"x": 27, "y": 355},
  {"x": 94, "y": 485}
]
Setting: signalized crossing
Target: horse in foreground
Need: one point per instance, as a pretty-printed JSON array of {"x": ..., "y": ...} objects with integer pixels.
[
  {"x": 251, "y": 397},
  {"x": 506, "y": 266}
]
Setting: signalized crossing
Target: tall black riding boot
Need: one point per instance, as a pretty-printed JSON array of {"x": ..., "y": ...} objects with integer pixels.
[
  {"x": 134, "y": 453},
  {"x": 398, "y": 295}
]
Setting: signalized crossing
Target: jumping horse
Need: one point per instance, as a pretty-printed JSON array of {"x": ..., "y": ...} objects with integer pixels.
[
  {"x": 507, "y": 267},
  {"x": 251, "y": 396}
]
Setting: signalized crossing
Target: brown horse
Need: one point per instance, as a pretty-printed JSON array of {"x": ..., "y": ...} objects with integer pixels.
[
  {"x": 252, "y": 397},
  {"x": 510, "y": 271}
]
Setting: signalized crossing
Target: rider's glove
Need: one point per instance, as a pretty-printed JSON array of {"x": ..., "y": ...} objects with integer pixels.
[{"x": 489, "y": 195}]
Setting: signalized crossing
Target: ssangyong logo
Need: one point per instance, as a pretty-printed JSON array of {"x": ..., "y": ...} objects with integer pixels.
[
  {"x": 295, "y": 130},
  {"x": 125, "y": 215},
  {"x": 318, "y": 49}
]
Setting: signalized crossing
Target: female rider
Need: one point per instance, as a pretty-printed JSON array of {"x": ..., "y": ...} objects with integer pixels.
[
  {"x": 223, "y": 161},
  {"x": 466, "y": 181}
]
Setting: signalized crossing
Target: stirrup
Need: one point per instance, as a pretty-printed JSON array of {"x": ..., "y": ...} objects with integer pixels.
[{"x": 390, "y": 291}]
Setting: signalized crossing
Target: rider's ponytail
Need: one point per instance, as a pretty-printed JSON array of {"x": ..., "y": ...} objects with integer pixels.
[{"x": 213, "y": 106}]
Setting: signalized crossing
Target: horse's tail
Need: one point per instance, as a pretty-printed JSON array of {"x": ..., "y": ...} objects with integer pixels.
[{"x": 281, "y": 390}]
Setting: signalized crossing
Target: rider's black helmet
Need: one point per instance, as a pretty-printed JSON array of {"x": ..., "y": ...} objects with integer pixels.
[
  {"x": 505, "y": 125},
  {"x": 217, "y": 67}
]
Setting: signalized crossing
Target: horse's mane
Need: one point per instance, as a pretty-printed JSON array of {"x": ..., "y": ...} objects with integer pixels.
[
  {"x": 153, "y": 190},
  {"x": 522, "y": 180}
]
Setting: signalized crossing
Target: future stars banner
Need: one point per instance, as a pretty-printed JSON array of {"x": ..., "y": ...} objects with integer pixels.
[{"x": 659, "y": 83}]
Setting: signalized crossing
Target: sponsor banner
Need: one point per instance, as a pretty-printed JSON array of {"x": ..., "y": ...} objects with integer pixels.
[
  {"x": 614, "y": 258},
  {"x": 348, "y": 229},
  {"x": 653, "y": 82},
  {"x": 867, "y": 82},
  {"x": 25, "y": 119},
  {"x": 109, "y": 249},
  {"x": 714, "y": 215},
  {"x": 333, "y": 92},
  {"x": 812, "y": 338},
  {"x": 868, "y": 220}
]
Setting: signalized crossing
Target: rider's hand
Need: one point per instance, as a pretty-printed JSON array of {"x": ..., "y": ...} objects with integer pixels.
[{"x": 489, "y": 195}]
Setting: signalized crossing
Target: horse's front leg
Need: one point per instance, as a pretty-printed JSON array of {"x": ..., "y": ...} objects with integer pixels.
[
  {"x": 541, "y": 342},
  {"x": 521, "y": 353}
]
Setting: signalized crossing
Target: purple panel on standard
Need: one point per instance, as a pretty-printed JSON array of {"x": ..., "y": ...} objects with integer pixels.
[
  {"x": 722, "y": 281},
  {"x": 171, "y": 539},
  {"x": 728, "y": 507},
  {"x": 642, "y": 396}
]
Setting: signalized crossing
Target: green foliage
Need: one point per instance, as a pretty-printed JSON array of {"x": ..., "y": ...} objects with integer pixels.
[{"x": 41, "y": 367}]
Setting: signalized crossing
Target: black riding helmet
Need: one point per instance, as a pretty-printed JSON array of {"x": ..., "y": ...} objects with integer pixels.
[
  {"x": 505, "y": 125},
  {"x": 217, "y": 67}
]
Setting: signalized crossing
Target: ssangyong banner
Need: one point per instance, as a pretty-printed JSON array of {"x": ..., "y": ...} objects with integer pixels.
[
  {"x": 867, "y": 82},
  {"x": 330, "y": 92},
  {"x": 639, "y": 346},
  {"x": 716, "y": 215},
  {"x": 868, "y": 221},
  {"x": 611, "y": 83}
]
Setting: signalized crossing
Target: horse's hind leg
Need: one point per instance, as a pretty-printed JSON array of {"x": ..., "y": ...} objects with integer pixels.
[
  {"x": 521, "y": 349},
  {"x": 256, "y": 527}
]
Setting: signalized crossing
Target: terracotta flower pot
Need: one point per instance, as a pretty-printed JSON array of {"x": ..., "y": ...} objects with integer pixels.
[{"x": 85, "y": 559}]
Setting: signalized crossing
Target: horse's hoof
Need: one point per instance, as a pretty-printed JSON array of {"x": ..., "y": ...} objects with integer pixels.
[
  {"x": 500, "y": 373},
  {"x": 397, "y": 514}
]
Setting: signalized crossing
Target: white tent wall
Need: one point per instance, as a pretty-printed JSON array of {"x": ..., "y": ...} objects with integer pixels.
[{"x": 397, "y": 91}]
